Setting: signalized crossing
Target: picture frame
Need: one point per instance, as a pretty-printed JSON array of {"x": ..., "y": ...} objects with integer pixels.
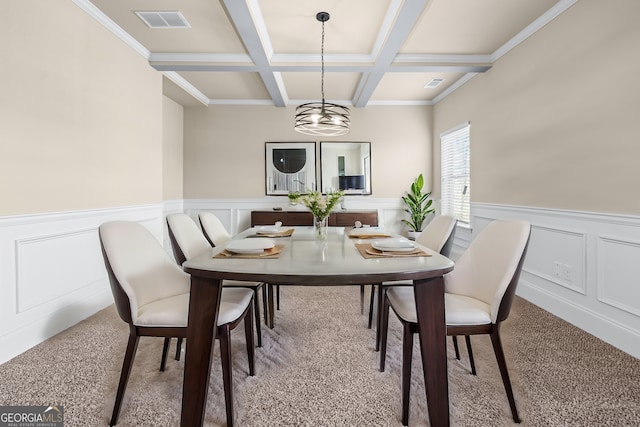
[
  {"x": 345, "y": 166},
  {"x": 290, "y": 167}
]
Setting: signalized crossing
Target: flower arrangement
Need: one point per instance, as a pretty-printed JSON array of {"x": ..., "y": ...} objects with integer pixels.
[
  {"x": 319, "y": 205},
  {"x": 294, "y": 196}
]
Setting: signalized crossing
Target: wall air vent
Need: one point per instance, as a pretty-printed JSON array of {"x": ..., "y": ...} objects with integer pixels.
[
  {"x": 433, "y": 83},
  {"x": 163, "y": 19}
]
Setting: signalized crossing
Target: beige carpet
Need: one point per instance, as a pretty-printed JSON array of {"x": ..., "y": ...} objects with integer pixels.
[{"x": 318, "y": 368}]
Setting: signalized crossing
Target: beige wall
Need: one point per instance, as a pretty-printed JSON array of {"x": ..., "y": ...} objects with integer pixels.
[
  {"x": 172, "y": 149},
  {"x": 225, "y": 147},
  {"x": 555, "y": 122},
  {"x": 81, "y": 114}
]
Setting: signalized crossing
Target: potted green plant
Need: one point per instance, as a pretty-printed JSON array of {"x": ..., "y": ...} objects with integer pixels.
[{"x": 418, "y": 206}]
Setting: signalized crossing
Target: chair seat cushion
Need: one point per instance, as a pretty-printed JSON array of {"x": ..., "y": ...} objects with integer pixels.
[
  {"x": 173, "y": 311},
  {"x": 234, "y": 302},
  {"x": 459, "y": 309},
  {"x": 165, "y": 312},
  {"x": 463, "y": 310}
]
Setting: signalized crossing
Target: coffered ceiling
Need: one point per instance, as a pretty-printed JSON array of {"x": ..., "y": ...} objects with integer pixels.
[{"x": 377, "y": 52}]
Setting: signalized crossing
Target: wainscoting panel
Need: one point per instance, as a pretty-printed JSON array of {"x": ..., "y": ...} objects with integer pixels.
[
  {"x": 619, "y": 273},
  {"x": 54, "y": 266},
  {"x": 52, "y": 273},
  {"x": 581, "y": 266}
]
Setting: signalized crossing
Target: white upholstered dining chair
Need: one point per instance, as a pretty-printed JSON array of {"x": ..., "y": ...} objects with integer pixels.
[
  {"x": 151, "y": 294},
  {"x": 216, "y": 234},
  {"x": 438, "y": 236},
  {"x": 188, "y": 241},
  {"x": 478, "y": 296}
]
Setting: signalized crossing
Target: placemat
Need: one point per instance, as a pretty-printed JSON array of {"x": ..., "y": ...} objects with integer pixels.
[
  {"x": 274, "y": 252},
  {"x": 284, "y": 233},
  {"x": 367, "y": 251}
]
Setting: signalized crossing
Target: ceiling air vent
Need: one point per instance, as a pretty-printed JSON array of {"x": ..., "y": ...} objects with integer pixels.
[
  {"x": 433, "y": 83},
  {"x": 164, "y": 19}
]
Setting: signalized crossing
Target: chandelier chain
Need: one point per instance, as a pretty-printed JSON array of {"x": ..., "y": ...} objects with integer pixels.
[{"x": 322, "y": 64}]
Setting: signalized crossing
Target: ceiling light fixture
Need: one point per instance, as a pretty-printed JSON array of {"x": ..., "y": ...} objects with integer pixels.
[{"x": 322, "y": 118}]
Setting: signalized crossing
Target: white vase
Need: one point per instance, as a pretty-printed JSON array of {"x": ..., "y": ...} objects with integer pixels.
[{"x": 413, "y": 235}]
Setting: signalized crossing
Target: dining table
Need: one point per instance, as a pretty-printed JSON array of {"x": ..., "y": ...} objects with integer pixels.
[{"x": 302, "y": 259}]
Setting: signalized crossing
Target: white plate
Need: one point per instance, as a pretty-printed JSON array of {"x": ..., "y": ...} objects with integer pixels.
[
  {"x": 366, "y": 231},
  {"x": 393, "y": 245},
  {"x": 250, "y": 246}
]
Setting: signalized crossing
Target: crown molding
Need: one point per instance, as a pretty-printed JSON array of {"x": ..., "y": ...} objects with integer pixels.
[
  {"x": 186, "y": 86},
  {"x": 103, "y": 19}
]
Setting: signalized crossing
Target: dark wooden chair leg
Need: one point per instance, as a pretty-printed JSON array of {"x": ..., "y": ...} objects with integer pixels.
[
  {"x": 361, "y": 299},
  {"x": 277, "y": 297},
  {"x": 467, "y": 338},
  {"x": 381, "y": 297},
  {"x": 384, "y": 329},
  {"x": 178, "y": 348},
  {"x": 227, "y": 379},
  {"x": 257, "y": 316},
  {"x": 502, "y": 364},
  {"x": 248, "y": 332},
  {"x": 270, "y": 305},
  {"x": 373, "y": 297},
  {"x": 407, "y": 353},
  {"x": 264, "y": 303},
  {"x": 455, "y": 346},
  {"x": 130, "y": 353},
  {"x": 165, "y": 350}
]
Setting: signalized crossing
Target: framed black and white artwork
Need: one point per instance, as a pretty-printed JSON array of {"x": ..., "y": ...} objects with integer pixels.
[{"x": 290, "y": 167}]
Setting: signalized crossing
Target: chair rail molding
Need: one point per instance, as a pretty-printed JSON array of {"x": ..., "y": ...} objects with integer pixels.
[
  {"x": 52, "y": 274},
  {"x": 581, "y": 267}
]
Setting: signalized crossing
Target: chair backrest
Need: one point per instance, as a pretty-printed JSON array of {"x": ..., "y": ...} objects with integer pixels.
[
  {"x": 213, "y": 229},
  {"x": 186, "y": 238},
  {"x": 438, "y": 234},
  {"x": 490, "y": 267},
  {"x": 139, "y": 269}
]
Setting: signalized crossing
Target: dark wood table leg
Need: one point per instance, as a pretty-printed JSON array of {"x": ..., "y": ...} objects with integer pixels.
[
  {"x": 204, "y": 304},
  {"x": 429, "y": 295}
]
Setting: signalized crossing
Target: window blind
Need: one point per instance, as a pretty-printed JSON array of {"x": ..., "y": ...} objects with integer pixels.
[{"x": 455, "y": 173}]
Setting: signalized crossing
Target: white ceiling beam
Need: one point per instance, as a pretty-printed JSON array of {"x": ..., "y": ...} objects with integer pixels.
[
  {"x": 409, "y": 13},
  {"x": 252, "y": 37}
]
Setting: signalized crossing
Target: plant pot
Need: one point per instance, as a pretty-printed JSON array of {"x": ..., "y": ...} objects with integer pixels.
[{"x": 413, "y": 235}]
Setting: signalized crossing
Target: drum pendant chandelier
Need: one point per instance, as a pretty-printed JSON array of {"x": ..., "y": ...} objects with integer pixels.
[{"x": 322, "y": 118}]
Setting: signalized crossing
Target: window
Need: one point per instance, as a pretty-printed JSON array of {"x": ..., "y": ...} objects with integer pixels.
[{"x": 455, "y": 173}]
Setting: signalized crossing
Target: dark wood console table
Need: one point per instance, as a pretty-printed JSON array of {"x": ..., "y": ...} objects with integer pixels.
[{"x": 294, "y": 218}]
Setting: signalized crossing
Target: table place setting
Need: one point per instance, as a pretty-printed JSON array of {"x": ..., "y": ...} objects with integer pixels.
[
  {"x": 392, "y": 247},
  {"x": 276, "y": 230},
  {"x": 259, "y": 247},
  {"x": 367, "y": 233}
]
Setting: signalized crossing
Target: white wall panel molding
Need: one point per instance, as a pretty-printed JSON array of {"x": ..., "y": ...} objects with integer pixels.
[
  {"x": 51, "y": 271},
  {"x": 580, "y": 266},
  {"x": 618, "y": 273}
]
